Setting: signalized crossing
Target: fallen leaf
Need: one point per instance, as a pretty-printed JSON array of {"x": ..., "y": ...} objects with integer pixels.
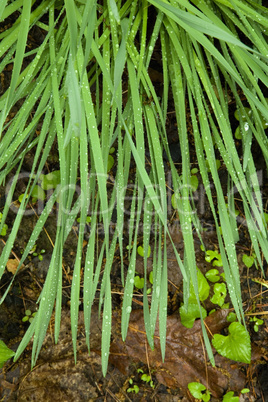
[
  {"x": 12, "y": 265},
  {"x": 184, "y": 360}
]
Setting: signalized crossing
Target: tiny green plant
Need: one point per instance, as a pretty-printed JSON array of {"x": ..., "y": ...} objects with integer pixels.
[
  {"x": 50, "y": 181},
  {"x": 88, "y": 219},
  {"x": 141, "y": 251},
  {"x": 29, "y": 316},
  {"x": 214, "y": 257},
  {"x": 148, "y": 379},
  {"x": 4, "y": 228},
  {"x": 246, "y": 115},
  {"x": 213, "y": 275},
  {"x": 220, "y": 292},
  {"x": 5, "y": 353},
  {"x": 229, "y": 397},
  {"x": 37, "y": 194},
  {"x": 135, "y": 387},
  {"x": 194, "y": 179},
  {"x": 199, "y": 391},
  {"x": 257, "y": 322},
  {"x": 37, "y": 254},
  {"x": 249, "y": 260},
  {"x": 138, "y": 282}
]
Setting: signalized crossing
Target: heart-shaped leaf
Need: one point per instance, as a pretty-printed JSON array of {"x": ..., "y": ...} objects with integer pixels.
[
  {"x": 236, "y": 346},
  {"x": 188, "y": 316},
  {"x": 248, "y": 260},
  {"x": 199, "y": 391},
  {"x": 141, "y": 251}
]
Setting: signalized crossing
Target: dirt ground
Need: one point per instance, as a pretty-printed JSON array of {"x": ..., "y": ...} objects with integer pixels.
[{"x": 56, "y": 377}]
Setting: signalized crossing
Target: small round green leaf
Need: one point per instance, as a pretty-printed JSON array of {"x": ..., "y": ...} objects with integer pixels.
[
  {"x": 212, "y": 275},
  {"x": 245, "y": 115},
  {"x": 141, "y": 251}
]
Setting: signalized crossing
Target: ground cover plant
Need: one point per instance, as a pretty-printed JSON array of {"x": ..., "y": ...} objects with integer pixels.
[{"x": 88, "y": 88}]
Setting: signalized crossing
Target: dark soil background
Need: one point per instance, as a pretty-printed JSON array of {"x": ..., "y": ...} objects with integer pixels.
[{"x": 57, "y": 378}]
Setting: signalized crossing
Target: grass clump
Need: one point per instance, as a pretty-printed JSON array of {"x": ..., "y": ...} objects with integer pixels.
[{"x": 88, "y": 83}]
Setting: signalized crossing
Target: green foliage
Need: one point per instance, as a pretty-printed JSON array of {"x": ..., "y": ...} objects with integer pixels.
[
  {"x": 194, "y": 182},
  {"x": 88, "y": 219},
  {"x": 4, "y": 228},
  {"x": 203, "y": 288},
  {"x": 135, "y": 387},
  {"x": 230, "y": 398},
  {"x": 38, "y": 194},
  {"x": 110, "y": 163},
  {"x": 212, "y": 275},
  {"x": 147, "y": 378},
  {"x": 231, "y": 317},
  {"x": 235, "y": 346},
  {"x": 199, "y": 391},
  {"x": 138, "y": 282},
  {"x": 39, "y": 254},
  {"x": 190, "y": 314},
  {"x": 215, "y": 257},
  {"x": 220, "y": 292},
  {"x": 249, "y": 260},
  {"x": 51, "y": 180},
  {"x": 257, "y": 322},
  {"x": 74, "y": 102},
  {"x": 141, "y": 251},
  {"x": 5, "y": 353},
  {"x": 29, "y": 316}
]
